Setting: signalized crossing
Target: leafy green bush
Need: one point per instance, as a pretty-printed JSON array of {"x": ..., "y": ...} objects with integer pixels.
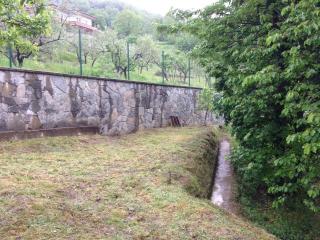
[
  {"x": 290, "y": 223},
  {"x": 265, "y": 58}
]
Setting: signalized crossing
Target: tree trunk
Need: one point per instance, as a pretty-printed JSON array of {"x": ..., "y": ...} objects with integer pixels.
[
  {"x": 184, "y": 77},
  {"x": 166, "y": 76},
  {"x": 205, "y": 118},
  {"x": 85, "y": 58},
  {"x": 94, "y": 61},
  {"x": 124, "y": 71},
  {"x": 20, "y": 60}
]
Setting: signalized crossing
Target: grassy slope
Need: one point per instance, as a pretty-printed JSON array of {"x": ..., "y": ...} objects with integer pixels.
[
  {"x": 93, "y": 187},
  {"x": 100, "y": 70}
]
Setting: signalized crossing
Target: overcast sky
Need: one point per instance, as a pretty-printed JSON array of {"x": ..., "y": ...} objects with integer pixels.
[{"x": 163, "y": 6}]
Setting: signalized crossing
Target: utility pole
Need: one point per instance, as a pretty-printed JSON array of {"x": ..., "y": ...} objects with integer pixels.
[
  {"x": 128, "y": 58},
  {"x": 80, "y": 52},
  {"x": 163, "y": 70},
  {"x": 10, "y": 55},
  {"x": 189, "y": 66}
]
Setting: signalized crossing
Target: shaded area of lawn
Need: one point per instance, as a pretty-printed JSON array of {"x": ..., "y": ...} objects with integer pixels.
[{"x": 92, "y": 187}]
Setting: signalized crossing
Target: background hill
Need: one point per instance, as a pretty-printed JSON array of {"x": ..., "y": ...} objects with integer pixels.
[{"x": 104, "y": 52}]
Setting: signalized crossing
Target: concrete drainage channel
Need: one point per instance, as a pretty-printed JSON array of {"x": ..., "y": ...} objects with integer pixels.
[{"x": 223, "y": 192}]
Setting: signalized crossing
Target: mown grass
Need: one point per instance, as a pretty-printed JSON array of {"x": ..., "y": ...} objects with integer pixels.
[{"x": 94, "y": 187}]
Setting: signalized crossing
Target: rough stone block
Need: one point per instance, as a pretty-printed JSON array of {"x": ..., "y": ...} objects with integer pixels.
[
  {"x": 15, "y": 122},
  {"x": 8, "y": 90},
  {"x": 35, "y": 123}
]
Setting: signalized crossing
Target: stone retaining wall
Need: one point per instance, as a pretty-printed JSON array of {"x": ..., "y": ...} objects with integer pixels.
[{"x": 31, "y": 100}]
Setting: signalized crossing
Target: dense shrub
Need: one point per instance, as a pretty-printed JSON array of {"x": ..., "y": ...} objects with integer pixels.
[{"x": 265, "y": 58}]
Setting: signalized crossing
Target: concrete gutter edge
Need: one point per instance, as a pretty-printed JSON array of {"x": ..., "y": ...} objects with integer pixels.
[{"x": 55, "y": 132}]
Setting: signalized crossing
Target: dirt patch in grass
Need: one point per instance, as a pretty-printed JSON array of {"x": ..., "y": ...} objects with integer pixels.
[{"x": 133, "y": 187}]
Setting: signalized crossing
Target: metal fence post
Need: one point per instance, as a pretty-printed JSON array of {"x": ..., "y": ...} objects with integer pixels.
[
  {"x": 163, "y": 70},
  {"x": 128, "y": 58},
  {"x": 80, "y": 52},
  {"x": 10, "y": 55},
  {"x": 189, "y": 66}
]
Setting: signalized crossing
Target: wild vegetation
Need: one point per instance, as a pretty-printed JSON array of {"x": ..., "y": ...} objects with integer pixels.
[
  {"x": 131, "y": 187},
  {"x": 104, "y": 51},
  {"x": 18, "y": 27},
  {"x": 264, "y": 56},
  {"x": 264, "y": 59}
]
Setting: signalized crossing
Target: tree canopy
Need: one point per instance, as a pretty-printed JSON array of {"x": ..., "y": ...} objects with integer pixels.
[
  {"x": 265, "y": 58},
  {"x": 21, "y": 21},
  {"x": 128, "y": 23}
]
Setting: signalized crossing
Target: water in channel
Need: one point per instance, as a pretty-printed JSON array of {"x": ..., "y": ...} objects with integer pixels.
[{"x": 223, "y": 193}]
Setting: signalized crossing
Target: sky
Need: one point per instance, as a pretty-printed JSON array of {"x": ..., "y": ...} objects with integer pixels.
[{"x": 163, "y": 6}]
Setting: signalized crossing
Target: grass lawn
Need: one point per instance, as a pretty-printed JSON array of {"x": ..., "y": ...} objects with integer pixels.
[{"x": 95, "y": 187}]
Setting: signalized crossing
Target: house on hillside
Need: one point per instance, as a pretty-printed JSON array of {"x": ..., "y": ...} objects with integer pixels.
[{"x": 75, "y": 19}]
